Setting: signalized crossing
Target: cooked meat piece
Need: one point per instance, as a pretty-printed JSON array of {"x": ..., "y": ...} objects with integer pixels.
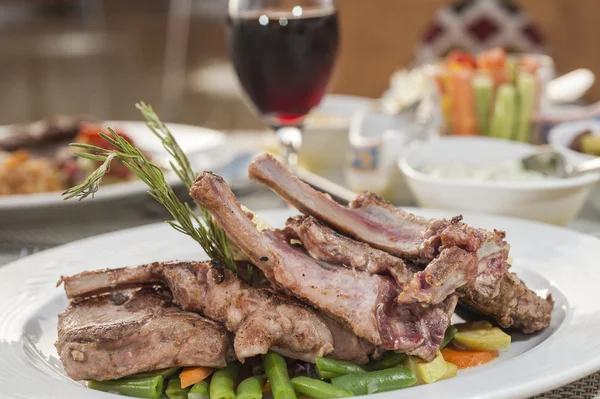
[
  {"x": 372, "y": 220},
  {"x": 113, "y": 336},
  {"x": 324, "y": 244},
  {"x": 364, "y": 302},
  {"x": 515, "y": 306},
  {"x": 47, "y": 130},
  {"x": 413, "y": 238},
  {"x": 260, "y": 319},
  {"x": 420, "y": 240},
  {"x": 453, "y": 268}
]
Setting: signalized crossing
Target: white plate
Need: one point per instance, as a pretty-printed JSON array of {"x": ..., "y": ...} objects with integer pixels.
[
  {"x": 547, "y": 258},
  {"x": 205, "y": 147}
]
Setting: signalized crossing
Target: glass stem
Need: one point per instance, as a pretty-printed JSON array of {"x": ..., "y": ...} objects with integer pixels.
[{"x": 290, "y": 140}]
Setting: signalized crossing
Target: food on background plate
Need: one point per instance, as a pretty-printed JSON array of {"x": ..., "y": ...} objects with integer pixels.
[
  {"x": 491, "y": 94},
  {"x": 334, "y": 303},
  {"x": 27, "y": 171},
  {"x": 20, "y": 173},
  {"x": 41, "y": 133}
]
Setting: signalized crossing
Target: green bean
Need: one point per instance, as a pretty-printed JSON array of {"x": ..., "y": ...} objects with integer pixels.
[
  {"x": 149, "y": 387},
  {"x": 164, "y": 373},
  {"x": 250, "y": 388},
  {"x": 318, "y": 389},
  {"x": 376, "y": 381},
  {"x": 199, "y": 391},
  {"x": 329, "y": 368},
  {"x": 450, "y": 333},
  {"x": 278, "y": 377},
  {"x": 390, "y": 359},
  {"x": 174, "y": 389},
  {"x": 221, "y": 383}
]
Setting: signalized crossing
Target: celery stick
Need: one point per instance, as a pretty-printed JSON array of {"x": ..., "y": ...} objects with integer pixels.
[
  {"x": 526, "y": 93},
  {"x": 483, "y": 87},
  {"x": 511, "y": 69},
  {"x": 502, "y": 124}
]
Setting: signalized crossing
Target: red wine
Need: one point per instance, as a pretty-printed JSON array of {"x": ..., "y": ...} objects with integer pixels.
[{"x": 283, "y": 61}]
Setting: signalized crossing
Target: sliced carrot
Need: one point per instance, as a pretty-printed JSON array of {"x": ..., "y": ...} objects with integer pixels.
[
  {"x": 193, "y": 375},
  {"x": 267, "y": 387},
  {"x": 463, "y": 118},
  {"x": 464, "y": 359}
]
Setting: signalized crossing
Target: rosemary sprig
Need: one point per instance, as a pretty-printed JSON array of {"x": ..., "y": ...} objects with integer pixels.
[
  {"x": 182, "y": 168},
  {"x": 202, "y": 229}
]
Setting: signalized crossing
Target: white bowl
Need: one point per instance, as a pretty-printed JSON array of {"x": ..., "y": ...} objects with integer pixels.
[
  {"x": 563, "y": 134},
  {"x": 555, "y": 201}
]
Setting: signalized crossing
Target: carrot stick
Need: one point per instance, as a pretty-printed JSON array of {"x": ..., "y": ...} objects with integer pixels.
[
  {"x": 463, "y": 119},
  {"x": 464, "y": 359},
  {"x": 267, "y": 387},
  {"x": 193, "y": 375}
]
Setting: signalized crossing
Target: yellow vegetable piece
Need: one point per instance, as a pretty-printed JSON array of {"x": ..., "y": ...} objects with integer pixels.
[
  {"x": 481, "y": 336},
  {"x": 427, "y": 372},
  {"x": 590, "y": 144},
  {"x": 451, "y": 372}
]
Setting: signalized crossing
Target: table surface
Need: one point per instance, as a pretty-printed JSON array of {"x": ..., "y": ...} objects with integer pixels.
[{"x": 22, "y": 239}]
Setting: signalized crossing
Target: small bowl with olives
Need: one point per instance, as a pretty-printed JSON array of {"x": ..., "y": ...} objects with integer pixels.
[{"x": 582, "y": 137}]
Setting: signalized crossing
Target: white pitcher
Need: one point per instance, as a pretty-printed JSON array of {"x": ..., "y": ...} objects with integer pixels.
[{"x": 377, "y": 140}]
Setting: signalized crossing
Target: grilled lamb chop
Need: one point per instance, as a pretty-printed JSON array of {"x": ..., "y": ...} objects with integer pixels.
[
  {"x": 260, "y": 319},
  {"x": 324, "y": 244},
  {"x": 515, "y": 306},
  {"x": 453, "y": 267},
  {"x": 108, "y": 336},
  {"x": 382, "y": 225},
  {"x": 364, "y": 302}
]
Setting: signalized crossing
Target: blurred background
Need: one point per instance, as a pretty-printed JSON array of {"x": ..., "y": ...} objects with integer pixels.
[
  {"x": 101, "y": 56},
  {"x": 407, "y": 72}
]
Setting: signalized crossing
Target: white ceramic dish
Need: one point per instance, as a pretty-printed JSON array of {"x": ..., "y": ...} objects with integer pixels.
[
  {"x": 205, "y": 147},
  {"x": 549, "y": 259},
  {"x": 562, "y": 135},
  {"x": 550, "y": 200}
]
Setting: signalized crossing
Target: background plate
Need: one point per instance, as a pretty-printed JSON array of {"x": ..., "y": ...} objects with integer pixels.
[{"x": 205, "y": 147}]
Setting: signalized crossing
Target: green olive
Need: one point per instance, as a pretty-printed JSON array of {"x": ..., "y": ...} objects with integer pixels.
[{"x": 590, "y": 144}]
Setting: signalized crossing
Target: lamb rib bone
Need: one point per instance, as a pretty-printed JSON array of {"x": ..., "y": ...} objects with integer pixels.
[
  {"x": 365, "y": 303},
  {"x": 378, "y": 223},
  {"x": 370, "y": 219}
]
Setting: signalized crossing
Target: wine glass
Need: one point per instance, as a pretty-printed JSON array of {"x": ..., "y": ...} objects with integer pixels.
[{"x": 283, "y": 52}]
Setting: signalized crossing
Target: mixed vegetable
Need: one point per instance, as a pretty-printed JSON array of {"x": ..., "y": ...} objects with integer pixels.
[
  {"x": 491, "y": 94},
  {"x": 464, "y": 345}
]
